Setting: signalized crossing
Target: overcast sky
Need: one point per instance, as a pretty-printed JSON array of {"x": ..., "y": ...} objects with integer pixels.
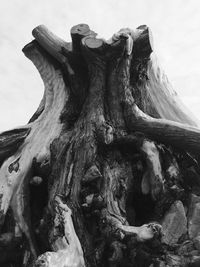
[{"x": 175, "y": 25}]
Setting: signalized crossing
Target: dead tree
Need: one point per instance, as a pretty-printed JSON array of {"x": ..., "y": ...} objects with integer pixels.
[{"x": 106, "y": 172}]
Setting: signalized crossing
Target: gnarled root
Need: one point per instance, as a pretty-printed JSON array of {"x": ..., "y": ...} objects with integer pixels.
[
  {"x": 67, "y": 248},
  {"x": 74, "y": 144},
  {"x": 143, "y": 233},
  {"x": 17, "y": 170}
]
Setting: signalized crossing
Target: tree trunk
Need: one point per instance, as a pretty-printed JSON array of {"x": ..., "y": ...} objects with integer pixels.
[{"x": 106, "y": 172}]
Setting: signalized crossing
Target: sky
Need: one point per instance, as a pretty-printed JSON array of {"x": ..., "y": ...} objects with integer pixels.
[{"x": 176, "y": 30}]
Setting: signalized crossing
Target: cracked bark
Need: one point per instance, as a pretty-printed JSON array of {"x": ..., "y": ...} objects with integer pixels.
[{"x": 88, "y": 180}]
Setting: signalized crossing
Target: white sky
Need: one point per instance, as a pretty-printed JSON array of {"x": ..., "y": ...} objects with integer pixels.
[{"x": 175, "y": 25}]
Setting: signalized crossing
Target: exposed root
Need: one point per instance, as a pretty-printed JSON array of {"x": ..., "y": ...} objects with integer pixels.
[
  {"x": 154, "y": 170},
  {"x": 114, "y": 216},
  {"x": 82, "y": 144},
  {"x": 143, "y": 233},
  {"x": 68, "y": 251},
  {"x": 16, "y": 171}
]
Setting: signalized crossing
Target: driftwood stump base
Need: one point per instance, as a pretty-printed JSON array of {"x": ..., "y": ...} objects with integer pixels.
[{"x": 106, "y": 172}]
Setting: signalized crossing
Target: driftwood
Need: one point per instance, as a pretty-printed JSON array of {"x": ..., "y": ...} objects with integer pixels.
[{"x": 106, "y": 172}]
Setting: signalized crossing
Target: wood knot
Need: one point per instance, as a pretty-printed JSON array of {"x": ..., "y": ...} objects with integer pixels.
[{"x": 14, "y": 166}]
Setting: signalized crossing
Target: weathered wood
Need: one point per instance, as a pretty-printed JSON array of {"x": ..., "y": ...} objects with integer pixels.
[
  {"x": 68, "y": 251},
  {"x": 78, "y": 32},
  {"x": 91, "y": 178},
  {"x": 143, "y": 42},
  {"x": 50, "y": 42},
  {"x": 16, "y": 171},
  {"x": 177, "y": 134},
  {"x": 10, "y": 141}
]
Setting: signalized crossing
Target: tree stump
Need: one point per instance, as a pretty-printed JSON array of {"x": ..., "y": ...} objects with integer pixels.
[{"x": 106, "y": 172}]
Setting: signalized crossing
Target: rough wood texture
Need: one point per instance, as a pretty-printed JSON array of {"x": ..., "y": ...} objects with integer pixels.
[{"x": 106, "y": 173}]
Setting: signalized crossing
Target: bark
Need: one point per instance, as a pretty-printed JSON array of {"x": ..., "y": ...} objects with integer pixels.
[{"x": 106, "y": 168}]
